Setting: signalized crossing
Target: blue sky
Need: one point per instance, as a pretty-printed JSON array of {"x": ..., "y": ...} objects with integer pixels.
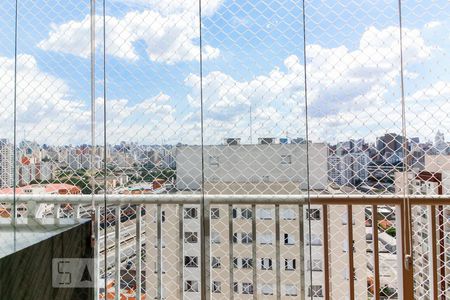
[{"x": 253, "y": 59}]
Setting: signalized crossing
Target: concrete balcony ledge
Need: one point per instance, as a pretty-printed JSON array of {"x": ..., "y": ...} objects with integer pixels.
[{"x": 27, "y": 250}]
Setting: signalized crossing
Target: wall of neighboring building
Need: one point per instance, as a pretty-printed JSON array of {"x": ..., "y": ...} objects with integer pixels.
[
  {"x": 239, "y": 170},
  {"x": 446, "y": 182},
  {"x": 6, "y": 164},
  {"x": 437, "y": 163},
  {"x": 434, "y": 179},
  {"x": 252, "y": 163}
]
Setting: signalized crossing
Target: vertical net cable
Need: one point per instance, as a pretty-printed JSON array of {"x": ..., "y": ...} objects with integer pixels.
[
  {"x": 92, "y": 57},
  {"x": 104, "y": 145},
  {"x": 307, "y": 143},
  {"x": 204, "y": 217},
  {"x": 94, "y": 218},
  {"x": 406, "y": 220},
  {"x": 15, "y": 116}
]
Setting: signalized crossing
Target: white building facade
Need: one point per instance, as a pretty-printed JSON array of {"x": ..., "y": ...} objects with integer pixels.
[
  {"x": 254, "y": 169},
  {"x": 6, "y": 164}
]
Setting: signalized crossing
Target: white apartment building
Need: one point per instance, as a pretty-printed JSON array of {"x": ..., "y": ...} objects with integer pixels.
[
  {"x": 254, "y": 169},
  {"x": 268, "y": 163},
  {"x": 83, "y": 160},
  {"x": 6, "y": 164},
  {"x": 41, "y": 171},
  {"x": 434, "y": 179},
  {"x": 348, "y": 169}
]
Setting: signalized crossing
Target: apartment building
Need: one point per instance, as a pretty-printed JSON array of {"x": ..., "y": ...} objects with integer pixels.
[
  {"x": 6, "y": 164},
  {"x": 434, "y": 179},
  {"x": 264, "y": 168},
  {"x": 348, "y": 169},
  {"x": 42, "y": 171}
]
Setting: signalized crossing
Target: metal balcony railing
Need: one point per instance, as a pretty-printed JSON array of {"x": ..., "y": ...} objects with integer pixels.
[{"x": 142, "y": 229}]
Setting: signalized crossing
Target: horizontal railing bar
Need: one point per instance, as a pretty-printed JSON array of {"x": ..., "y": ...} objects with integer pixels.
[{"x": 116, "y": 199}]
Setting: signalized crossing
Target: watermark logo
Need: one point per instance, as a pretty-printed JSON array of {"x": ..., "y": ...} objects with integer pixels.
[{"x": 73, "y": 272}]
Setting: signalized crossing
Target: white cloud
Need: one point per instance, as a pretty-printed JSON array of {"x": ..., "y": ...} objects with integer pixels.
[
  {"x": 276, "y": 100},
  {"x": 45, "y": 109},
  {"x": 48, "y": 113},
  {"x": 350, "y": 91},
  {"x": 427, "y": 110},
  {"x": 339, "y": 78},
  {"x": 433, "y": 24},
  {"x": 149, "y": 120},
  {"x": 224, "y": 96},
  {"x": 350, "y": 95},
  {"x": 169, "y": 34}
]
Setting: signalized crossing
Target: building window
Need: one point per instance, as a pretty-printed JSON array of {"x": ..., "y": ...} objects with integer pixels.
[
  {"x": 266, "y": 239},
  {"x": 235, "y": 237},
  {"x": 191, "y": 286},
  {"x": 191, "y": 237},
  {"x": 191, "y": 261},
  {"x": 286, "y": 159},
  {"x": 289, "y": 264},
  {"x": 265, "y": 213},
  {"x": 214, "y": 161},
  {"x": 244, "y": 263},
  {"x": 267, "y": 289},
  {"x": 235, "y": 213},
  {"x": 288, "y": 239},
  {"x": 247, "y": 288},
  {"x": 315, "y": 265},
  {"x": 266, "y": 263},
  {"x": 288, "y": 214},
  {"x": 247, "y": 263},
  {"x": 314, "y": 240},
  {"x": 163, "y": 216},
  {"x": 236, "y": 287},
  {"x": 163, "y": 270},
  {"x": 247, "y": 238},
  {"x": 345, "y": 246},
  {"x": 313, "y": 214},
  {"x": 215, "y": 237},
  {"x": 236, "y": 262},
  {"x": 216, "y": 287},
  {"x": 215, "y": 213},
  {"x": 190, "y": 213},
  {"x": 290, "y": 290},
  {"x": 246, "y": 213},
  {"x": 215, "y": 263},
  {"x": 315, "y": 291}
]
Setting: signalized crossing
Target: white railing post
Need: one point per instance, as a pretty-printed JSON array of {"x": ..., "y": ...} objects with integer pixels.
[{"x": 117, "y": 252}]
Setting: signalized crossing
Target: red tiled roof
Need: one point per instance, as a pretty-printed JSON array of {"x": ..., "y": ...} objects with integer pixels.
[{"x": 52, "y": 188}]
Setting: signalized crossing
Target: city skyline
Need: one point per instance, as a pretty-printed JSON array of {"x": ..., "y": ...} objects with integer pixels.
[{"x": 413, "y": 140}]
